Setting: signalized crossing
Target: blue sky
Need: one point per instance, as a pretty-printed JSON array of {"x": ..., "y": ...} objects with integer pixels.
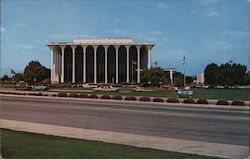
[{"x": 204, "y": 31}]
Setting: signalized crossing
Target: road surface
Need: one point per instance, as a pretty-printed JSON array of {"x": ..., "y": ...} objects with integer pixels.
[{"x": 226, "y": 126}]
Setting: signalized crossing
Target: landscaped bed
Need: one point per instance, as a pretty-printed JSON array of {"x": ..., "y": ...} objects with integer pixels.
[{"x": 133, "y": 98}]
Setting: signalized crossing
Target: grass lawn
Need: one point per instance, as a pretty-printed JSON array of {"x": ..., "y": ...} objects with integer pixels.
[
  {"x": 228, "y": 94},
  {"x": 4, "y": 85},
  {"x": 21, "y": 145}
]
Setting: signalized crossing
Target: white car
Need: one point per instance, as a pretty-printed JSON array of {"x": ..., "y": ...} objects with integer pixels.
[
  {"x": 184, "y": 93},
  {"x": 106, "y": 89}
]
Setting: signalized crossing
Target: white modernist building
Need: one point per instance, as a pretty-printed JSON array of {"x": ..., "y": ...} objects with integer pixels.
[{"x": 99, "y": 60}]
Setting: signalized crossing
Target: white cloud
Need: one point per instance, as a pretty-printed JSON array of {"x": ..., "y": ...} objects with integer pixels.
[
  {"x": 22, "y": 25},
  {"x": 117, "y": 20},
  {"x": 156, "y": 32},
  {"x": 213, "y": 44},
  {"x": 213, "y": 13},
  {"x": 70, "y": 36},
  {"x": 25, "y": 46},
  {"x": 207, "y": 2},
  {"x": 236, "y": 33},
  {"x": 3, "y": 29},
  {"x": 161, "y": 5}
]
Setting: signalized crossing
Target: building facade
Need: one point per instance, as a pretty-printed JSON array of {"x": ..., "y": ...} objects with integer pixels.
[{"x": 99, "y": 60}]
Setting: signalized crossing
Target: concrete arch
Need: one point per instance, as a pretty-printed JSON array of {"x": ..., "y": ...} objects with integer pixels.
[
  {"x": 68, "y": 64},
  {"x": 143, "y": 57},
  {"x": 133, "y": 64},
  {"x": 100, "y": 57},
  {"x": 90, "y": 64},
  {"x": 79, "y": 64},
  {"x": 122, "y": 67},
  {"x": 111, "y": 64}
]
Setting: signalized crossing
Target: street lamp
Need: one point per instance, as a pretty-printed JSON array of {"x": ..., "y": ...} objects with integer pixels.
[{"x": 183, "y": 63}]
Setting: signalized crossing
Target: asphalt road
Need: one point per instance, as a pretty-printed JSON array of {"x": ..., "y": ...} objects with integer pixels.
[{"x": 217, "y": 125}]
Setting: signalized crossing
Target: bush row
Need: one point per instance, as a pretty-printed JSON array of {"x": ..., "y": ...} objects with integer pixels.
[{"x": 131, "y": 98}]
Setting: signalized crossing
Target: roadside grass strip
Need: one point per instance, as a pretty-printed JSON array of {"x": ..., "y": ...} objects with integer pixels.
[{"x": 23, "y": 145}]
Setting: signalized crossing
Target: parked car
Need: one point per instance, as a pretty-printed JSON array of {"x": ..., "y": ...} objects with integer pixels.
[
  {"x": 181, "y": 93},
  {"x": 40, "y": 87},
  {"x": 21, "y": 85},
  {"x": 106, "y": 89}
]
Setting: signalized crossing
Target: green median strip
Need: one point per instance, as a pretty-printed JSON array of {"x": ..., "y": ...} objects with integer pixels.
[
  {"x": 22, "y": 145},
  {"x": 227, "y": 94}
]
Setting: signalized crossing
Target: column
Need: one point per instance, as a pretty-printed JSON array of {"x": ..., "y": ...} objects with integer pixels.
[
  {"x": 106, "y": 63},
  {"x": 95, "y": 67},
  {"x": 171, "y": 76},
  {"x": 149, "y": 58},
  {"x": 73, "y": 64},
  {"x": 127, "y": 50},
  {"x": 84, "y": 63},
  {"x": 62, "y": 74},
  {"x": 138, "y": 64},
  {"x": 51, "y": 64},
  {"x": 116, "y": 64}
]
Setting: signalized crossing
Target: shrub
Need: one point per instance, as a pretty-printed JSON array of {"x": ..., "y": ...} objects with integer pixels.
[
  {"x": 83, "y": 95},
  {"x": 94, "y": 96},
  {"x": 39, "y": 94},
  {"x": 117, "y": 97},
  {"x": 202, "y": 101},
  {"x": 238, "y": 103},
  {"x": 54, "y": 95},
  {"x": 145, "y": 99},
  {"x": 172, "y": 100},
  {"x": 73, "y": 94},
  {"x": 132, "y": 98},
  {"x": 222, "y": 102},
  {"x": 105, "y": 97},
  {"x": 189, "y": 101},
  {"x": 158, "y": 100},
  {"x": 62, "y": 94}
]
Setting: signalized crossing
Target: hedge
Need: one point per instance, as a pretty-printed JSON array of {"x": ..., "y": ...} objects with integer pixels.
[
  {"x": 238, "y": 103},
  {"x": 83, "y": 95},
  {"x": 189, "y": 101},
  {"x": 158, "y": 100},
  {"x": 145, "y": 99},
  {"x": 222, "y": 102},
  {"x": 172, "y": 100},
  {"x": 93, "y": 96},
  {"x": 117, "y": 97},
  {"x": 202, "y": 101},
  {"x": 62, "y": 94},
  {"x": 132, "y": 98},
  {"x": 72, "y": 94},
  {"x": 105, "y": 97}
]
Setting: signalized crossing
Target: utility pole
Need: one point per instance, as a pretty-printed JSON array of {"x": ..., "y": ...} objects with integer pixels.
[{"x": 184, "y": 73}]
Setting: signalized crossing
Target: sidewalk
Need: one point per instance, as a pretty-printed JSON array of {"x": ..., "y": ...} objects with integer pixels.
[{"x": 161, "y": 143}]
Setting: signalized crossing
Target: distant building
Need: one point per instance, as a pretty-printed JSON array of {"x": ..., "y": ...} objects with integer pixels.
[
  {"x": 171, "y": 73},
  {"x": 200, "y": 79},
  {"x": 99, "y": 60}
]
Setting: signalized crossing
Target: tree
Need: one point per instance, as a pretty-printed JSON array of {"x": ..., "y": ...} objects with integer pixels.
[
  {"x": 35, "y": 72},
  {"x": 5, "y": 78},
  {"x": 178, "y": 79},
  {"x": 225, "y": 74},
  {"x": 18, "y": 77},
  {"x": 211, "y": 73},
  {"x": 155, "y": 76}
]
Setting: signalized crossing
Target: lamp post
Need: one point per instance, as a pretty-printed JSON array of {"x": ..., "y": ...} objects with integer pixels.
[{"x": 183, "y": 63}]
